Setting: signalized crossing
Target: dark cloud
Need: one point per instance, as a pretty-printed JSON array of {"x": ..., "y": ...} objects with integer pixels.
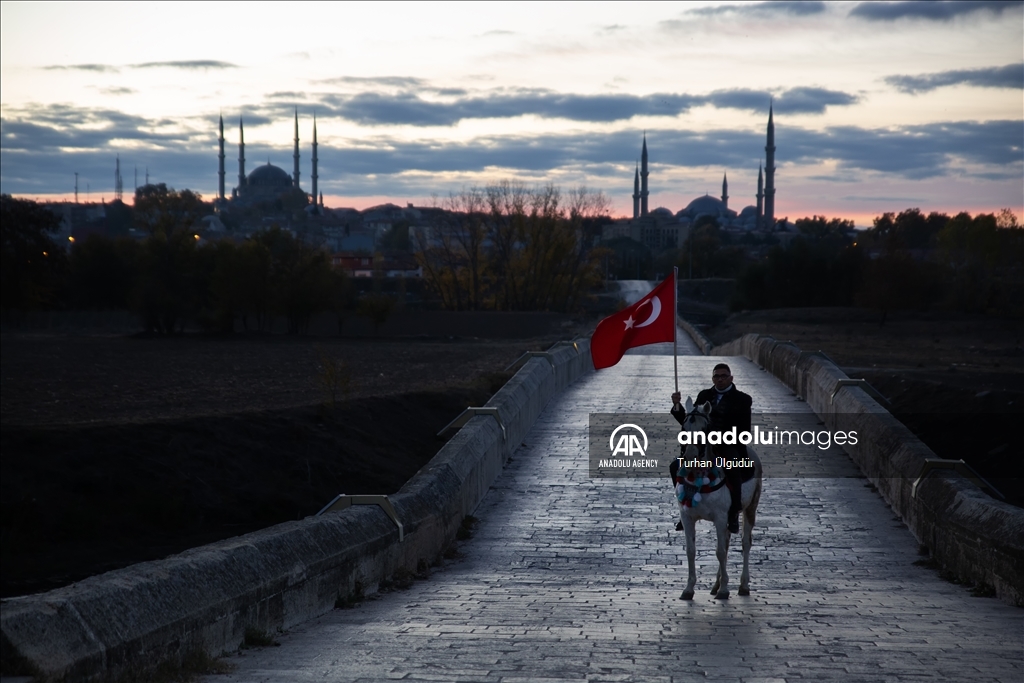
[
  {"x": 44, "y": 146},
  {"x": 804, "y": 100},
  {"x": 100, "y": 68},
  {"x": 287, "y": 95},
  {"x": 764, "y": 9},
  {"x": 187, "y": 64},
  {"x": 912, "y": 151},
  {"x": 1009, "y": 76},
  {"x": 408, "y": 107},
  {"x": 118, "y": 91},
  {"x": 934, "y": 11},
  {"x": 64, "y": 126}
]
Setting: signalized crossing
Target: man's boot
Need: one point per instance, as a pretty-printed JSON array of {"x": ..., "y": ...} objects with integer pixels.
[{"x": 735, "y": 484}]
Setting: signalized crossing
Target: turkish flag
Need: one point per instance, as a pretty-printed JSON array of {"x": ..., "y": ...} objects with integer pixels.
[{"x": 648, "y": 321}]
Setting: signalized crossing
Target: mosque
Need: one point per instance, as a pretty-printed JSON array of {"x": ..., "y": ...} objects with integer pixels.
[
  {"x": 661, "y": 229},
  {"x": 268, "y": 183}
]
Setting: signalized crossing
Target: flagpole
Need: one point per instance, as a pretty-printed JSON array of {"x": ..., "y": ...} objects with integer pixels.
[{"x": 675, "y": 324}]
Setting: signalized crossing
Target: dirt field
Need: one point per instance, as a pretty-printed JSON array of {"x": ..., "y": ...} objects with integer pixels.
[
  {"x": 118, "y": 450},
  {"x": 956, "y": 381}
]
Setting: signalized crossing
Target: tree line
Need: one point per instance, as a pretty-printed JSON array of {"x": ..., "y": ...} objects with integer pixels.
[
  {"x": 906, "y": 260},
  {"x": 502, "y": 247},
  {"x": 168, "y": 278},
  {"x": 508, "y": 247}
]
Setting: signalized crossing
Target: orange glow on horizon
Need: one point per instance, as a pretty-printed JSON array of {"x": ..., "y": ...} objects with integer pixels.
[{"x": 862, "y": 219}]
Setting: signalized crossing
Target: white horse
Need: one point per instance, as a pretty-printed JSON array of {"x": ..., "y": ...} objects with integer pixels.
[{"x": 713, "y": 506}]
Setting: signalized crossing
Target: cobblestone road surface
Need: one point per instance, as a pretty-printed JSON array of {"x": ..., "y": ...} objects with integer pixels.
[{"x": 573, "y": 579}]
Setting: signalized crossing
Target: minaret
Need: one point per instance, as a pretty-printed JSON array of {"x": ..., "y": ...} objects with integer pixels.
[
  {"x": 760, "y": 198},
  {"x": 241, "y": 153},
  {"x": 636, "y": 192},
  {"x": 314, "y": 161},
  {"x": 118, "y": 185},
  {"x": 643, "y": 178},
  {"x": 220, "y": 158},
  {"x": 295, "y": 155},
  {"x": 769, "y": 171},
  {"x": 725, "y": 190}
]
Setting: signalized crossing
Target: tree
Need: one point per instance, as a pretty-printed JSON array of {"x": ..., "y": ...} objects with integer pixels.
[
  {"x": 104, "y": 272},
  {"x": 510, "y": 248},
  {"x": 32, "y": 265},
  {"x": 984, "y": 254},
  {"x": 396, "y": 238},
  {"x": 166, "y": 293},
  {"x": 342, "y": 296},
  {"x": 300, "y": 279},
  {"x": 159, "y": 209},
  {"x": 376, "y": 307},
  {"x": 820, "y": 267}
]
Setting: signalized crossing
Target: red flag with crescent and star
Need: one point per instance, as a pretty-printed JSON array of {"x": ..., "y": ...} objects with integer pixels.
[{"x": 649, "y": 321}]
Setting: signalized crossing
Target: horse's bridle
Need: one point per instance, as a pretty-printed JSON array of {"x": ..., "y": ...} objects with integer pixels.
[{"x": 695, "y": 415}]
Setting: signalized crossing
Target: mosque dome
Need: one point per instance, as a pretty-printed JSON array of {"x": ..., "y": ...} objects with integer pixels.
[
  {"x": 661, "y": 212},
  {"x": 707, "y": 204},
  {"x": 269, "y": 176}
]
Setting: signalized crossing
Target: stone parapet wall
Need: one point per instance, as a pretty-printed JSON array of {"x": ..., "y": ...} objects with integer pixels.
[
  {"x": 699, "y": 338},
  {"x": 206, "y": 598},
  {"x": 976, "y": 538}
]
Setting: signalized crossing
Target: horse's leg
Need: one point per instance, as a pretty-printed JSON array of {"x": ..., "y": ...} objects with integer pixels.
[
  {"x": 749, "y": 516},
  {"x": 722, "y": 585},
  {"x": 689, "y": 526}
]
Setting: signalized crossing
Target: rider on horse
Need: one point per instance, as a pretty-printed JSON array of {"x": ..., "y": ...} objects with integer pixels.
[{"x": 730, "y": 408}]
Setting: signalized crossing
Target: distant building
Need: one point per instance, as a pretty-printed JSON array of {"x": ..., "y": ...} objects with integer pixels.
[
  {"x": 389, "y": 266},
  {"x": 659, "y": 228},
  {"x": 268, "y": 183}
]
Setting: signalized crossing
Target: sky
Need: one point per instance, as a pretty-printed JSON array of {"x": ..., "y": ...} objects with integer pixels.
[{"x": 877, "y": 106}]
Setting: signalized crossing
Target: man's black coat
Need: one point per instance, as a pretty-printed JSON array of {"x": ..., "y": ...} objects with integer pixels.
[{"x": 732, "y": 410}]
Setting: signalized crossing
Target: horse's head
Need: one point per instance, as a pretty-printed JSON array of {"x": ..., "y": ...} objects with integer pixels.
[{"x": 697, "y": 417}]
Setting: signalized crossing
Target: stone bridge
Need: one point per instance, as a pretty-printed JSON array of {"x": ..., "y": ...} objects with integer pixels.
[{"x": 569, "y": 578}]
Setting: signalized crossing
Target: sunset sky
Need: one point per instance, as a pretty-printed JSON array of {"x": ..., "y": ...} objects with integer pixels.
[{"x": 878, "y": 106}]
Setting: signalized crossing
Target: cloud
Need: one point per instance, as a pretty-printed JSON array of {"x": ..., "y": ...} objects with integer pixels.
[
  {"x": 118, "y": 91},
  {"x": 1009, "y": 76},
  {"x": 287, "y": 95},
  {"x": 108, "y": 68},
  {"x": 44, "y": 145},
  {"x": 764, "y": 9},
  {"x": 409, "y": 107},
  {"x": 378, "y": 81},
  {"x": 909, "y": 152},
  {"x": 934, "y": 11},
  {"x": 99, "y": 68},
  {"x": 803, "y": 100},
  {"x": 187, "y": 64},
  {"x": 915, "y": 152}
]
